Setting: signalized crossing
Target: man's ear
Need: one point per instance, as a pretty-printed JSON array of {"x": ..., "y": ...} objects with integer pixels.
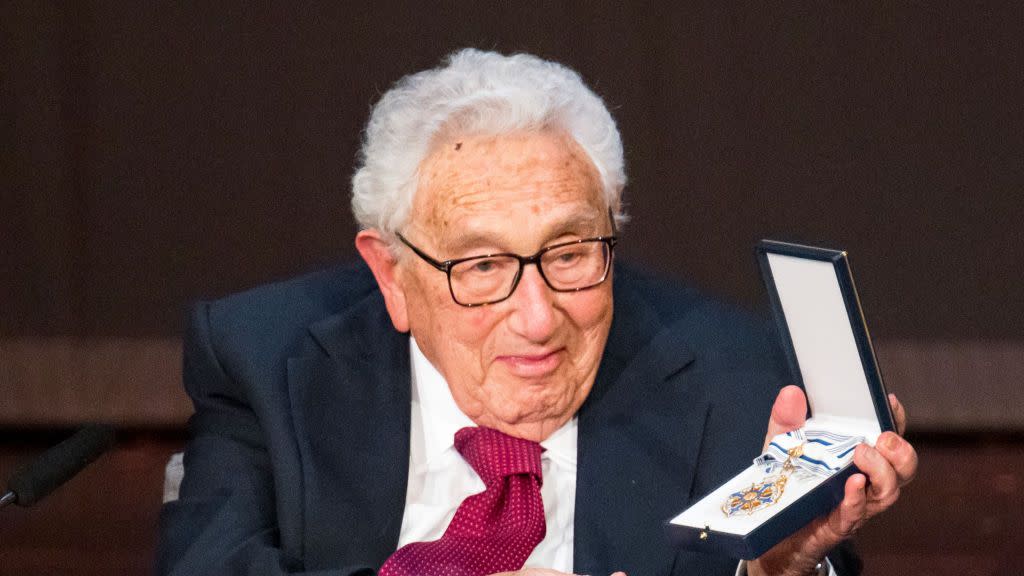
[{"x": 375, "y": 251}]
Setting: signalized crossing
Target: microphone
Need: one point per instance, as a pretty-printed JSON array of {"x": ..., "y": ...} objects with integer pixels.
[{"x": 33, "y": 482}]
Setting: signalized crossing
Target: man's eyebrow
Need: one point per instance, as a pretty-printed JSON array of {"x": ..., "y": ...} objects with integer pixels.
[
  {"x": 463, "y": 241},
  {"x": 584, "y": 223}
]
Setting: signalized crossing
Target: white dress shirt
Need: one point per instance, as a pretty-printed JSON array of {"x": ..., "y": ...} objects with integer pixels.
[{"x": 440, "y": 479}]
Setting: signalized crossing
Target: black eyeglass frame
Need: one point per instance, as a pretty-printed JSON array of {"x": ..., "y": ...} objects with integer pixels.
[{"x": 446, "y": 265}]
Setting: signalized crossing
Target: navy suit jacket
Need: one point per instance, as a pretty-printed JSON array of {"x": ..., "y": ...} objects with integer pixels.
[{"x": 299, "y": 450}]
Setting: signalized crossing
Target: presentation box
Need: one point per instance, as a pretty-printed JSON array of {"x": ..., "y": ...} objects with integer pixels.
[{"x": 826, "y": 341}]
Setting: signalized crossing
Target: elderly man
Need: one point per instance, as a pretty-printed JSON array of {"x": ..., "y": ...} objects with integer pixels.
[{"x": 489, "y": 393}]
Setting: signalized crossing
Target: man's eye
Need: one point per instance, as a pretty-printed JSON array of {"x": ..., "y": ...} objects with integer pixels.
[
  {"x": 569, "y": 257},
  {"x": 484, "y": 266}
]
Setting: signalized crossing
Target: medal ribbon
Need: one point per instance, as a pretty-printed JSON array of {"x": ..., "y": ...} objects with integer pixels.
[{"x": 824, "y": 453}]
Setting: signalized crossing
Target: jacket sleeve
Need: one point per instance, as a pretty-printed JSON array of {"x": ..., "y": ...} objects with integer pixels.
[{"x": 224, "y": 522}]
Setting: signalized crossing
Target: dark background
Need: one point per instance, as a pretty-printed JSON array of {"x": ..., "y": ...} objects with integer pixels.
[{"x": 156, "y": 153}]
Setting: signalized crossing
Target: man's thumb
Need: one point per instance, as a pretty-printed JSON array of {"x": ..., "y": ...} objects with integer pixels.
[{"x": 788, "y": 413}]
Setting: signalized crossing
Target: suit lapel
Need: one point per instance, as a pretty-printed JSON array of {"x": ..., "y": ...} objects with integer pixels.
[
  {"x": 351, "y": 402},
  {"x": 350, "y": 398},
  {"x": 637, "y": 448}
]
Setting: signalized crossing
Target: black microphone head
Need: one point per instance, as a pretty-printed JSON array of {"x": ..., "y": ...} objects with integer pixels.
[{"x": 33, "y": 482}]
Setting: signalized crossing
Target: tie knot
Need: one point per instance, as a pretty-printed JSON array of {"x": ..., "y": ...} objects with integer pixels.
[{"x": 494, "y": 454}]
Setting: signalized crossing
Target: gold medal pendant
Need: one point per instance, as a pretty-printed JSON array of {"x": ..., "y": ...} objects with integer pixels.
[
  {"x": 760, "y": 495},
  {"x": 764, "y": 493}
]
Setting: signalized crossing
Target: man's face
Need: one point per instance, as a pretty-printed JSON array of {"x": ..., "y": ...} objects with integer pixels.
[{"x": 524, "y": 365}]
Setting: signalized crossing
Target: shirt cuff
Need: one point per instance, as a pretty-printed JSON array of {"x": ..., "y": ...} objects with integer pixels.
[{"x": 741, "y": 570}]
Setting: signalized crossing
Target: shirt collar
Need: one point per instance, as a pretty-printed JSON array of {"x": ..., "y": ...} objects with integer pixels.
[
  {"x": 561, "y": 445},
  {"x": 441, "y": 417}
]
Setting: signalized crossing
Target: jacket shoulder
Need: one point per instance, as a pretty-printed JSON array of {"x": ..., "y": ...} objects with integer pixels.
[
  {"x": 717, "y": 332},
  {"x": 271, "y": 321}
]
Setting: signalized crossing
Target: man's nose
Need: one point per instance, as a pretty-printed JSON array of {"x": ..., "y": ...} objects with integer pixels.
[{"x": 533, "y": 316}]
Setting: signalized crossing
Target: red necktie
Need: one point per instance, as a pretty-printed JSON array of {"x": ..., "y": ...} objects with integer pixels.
[{"x": 493, "y": 531}]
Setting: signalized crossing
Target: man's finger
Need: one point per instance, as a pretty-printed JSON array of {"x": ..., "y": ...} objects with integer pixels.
[
  {"x": 853, "y": 509},
  {"x": 788, "y": 412},
  {"x": 884, "y": 488},
  {"x": 899, "y": 414},
  {"x": 900, "y": 454}
]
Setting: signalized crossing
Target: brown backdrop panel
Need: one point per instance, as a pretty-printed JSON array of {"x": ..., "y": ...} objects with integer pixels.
[
  {"x": 105, "y": 520},
  {"x": 965, "y": 386},
  {"x": 156, "y": 154}
]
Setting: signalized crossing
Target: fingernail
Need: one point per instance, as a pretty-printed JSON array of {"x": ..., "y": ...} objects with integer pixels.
[
  {"x": 871, "y": 453},
  {"x": 891, "y": 442}
]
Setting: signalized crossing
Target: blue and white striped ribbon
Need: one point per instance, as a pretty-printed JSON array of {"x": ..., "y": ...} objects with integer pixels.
[{"x": 824, "y": 452}]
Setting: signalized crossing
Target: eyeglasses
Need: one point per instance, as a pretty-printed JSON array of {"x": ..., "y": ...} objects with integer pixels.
[{"x": 491, "y": 278}]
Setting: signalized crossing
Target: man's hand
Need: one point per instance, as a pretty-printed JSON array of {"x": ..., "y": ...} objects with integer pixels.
[{"x": 887, "y": 467}]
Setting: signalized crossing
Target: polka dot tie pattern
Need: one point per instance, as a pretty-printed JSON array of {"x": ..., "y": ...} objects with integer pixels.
[{"x": 493, "y": 531}]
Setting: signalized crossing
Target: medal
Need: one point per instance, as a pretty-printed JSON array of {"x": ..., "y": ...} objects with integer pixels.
[
  {"x": 807, "y": 453},
  {"x": 764, "y": 493}
]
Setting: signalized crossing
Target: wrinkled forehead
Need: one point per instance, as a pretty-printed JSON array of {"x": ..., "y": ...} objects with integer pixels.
[{"x": 532, "y": 180}]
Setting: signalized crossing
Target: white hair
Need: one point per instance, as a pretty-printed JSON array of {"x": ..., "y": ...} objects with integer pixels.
[{"x": 476, "y": 92}]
